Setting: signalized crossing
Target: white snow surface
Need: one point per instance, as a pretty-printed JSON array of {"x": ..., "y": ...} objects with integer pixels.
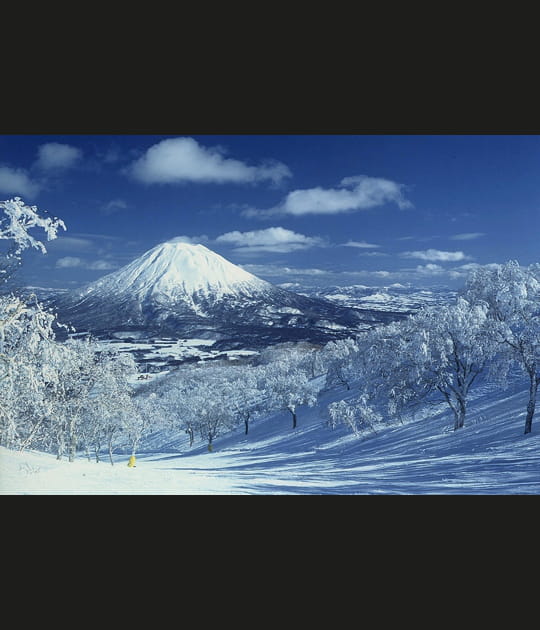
[
  {"x": 490, "y": 455},
  {"x": 179, "y": 269}
]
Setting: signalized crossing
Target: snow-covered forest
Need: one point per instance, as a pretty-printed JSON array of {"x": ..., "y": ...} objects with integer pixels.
[{"x": 76, "y": 399}]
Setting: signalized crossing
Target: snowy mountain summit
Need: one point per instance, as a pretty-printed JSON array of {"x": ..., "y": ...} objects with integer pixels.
[
  {"x": 180, "y": 289},
  {"x": 180, "y": 270}
]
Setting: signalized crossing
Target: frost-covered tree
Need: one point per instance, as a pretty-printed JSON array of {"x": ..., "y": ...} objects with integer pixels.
[
  {"x": 289, "y": 386},
  {"x": 109, "y": 401},
  {"x": 355, "y": 415},
  {"x": 512, "y": 296},
  {"x": 387, "y": 369},
  {"x": 451, "y": 346},
  {"x": 137, "y": 420},
  {"x": 195, "y": 401},
  {"x": 18, "y": 218},
  {"x": 25, "y": 330},
  {"x": 438, "y": 350},
  {"x": 27, "y": 349},
  {"x": 16, "y": 221},
  {"x": 242, "y": 393},
  {"x": 210, "y": 403},
  {"x": 338, "y": 358}
]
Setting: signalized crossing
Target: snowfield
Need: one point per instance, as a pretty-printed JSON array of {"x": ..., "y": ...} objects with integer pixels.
[{"x": 490, "y": 455}]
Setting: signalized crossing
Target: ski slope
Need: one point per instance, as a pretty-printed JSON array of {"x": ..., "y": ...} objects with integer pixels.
[{"x": 490, "y": 455}]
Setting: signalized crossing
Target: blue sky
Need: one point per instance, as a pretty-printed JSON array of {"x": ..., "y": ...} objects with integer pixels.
[{"x": 313, "y": 209}]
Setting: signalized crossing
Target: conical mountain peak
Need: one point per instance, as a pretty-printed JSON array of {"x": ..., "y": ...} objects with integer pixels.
[{"x": 176, "y": 268}]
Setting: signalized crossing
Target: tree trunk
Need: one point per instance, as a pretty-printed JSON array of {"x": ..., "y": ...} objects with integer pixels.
[
  {"x": 111, "y": 450},
  {"x": 96, "y": 453},
  {"x": 293, "y": 413},
  {"x": 60, "y": 443},
  {"x": 246, "y": 424},
  {"x": 72, "y": 449},
  {"x": 531, "y": 404},
  {"x": 460, "y": 414},
  {"x": 189, "y": 431}
]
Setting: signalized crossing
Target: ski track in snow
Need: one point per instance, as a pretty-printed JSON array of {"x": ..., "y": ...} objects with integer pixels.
[{"x": 490, "y": 455}]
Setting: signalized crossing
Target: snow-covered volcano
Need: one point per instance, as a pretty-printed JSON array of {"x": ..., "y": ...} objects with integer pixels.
[
  {"x": 180, "y": 270},
  {"x": 179, "y": 289}
]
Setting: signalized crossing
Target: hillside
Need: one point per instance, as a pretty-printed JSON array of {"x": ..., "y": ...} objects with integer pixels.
[{"x": 489, "y": 456}]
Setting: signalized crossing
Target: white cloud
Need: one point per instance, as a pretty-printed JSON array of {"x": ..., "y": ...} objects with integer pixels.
[
  {"x": 470, "y": 266},
  {"x": 191, "y": 240},
  {"x": 69, "y": 261},
  {"x": 467, "y": 236},
  {"x": 275, "y": 239},
  {"x": 15, "y": 181},
  {"x": 372, "y": 254},
  {"x": 360, "y": 244},
  {"x": 105, "y": 237},
  {"x": 113, "y": 206},
  {"x": 178, "y": 160},
  {"x": 101, "y": 265},
  {"x": 436, "y": 255},
  {"x": 354, "y": 193},
  {"x": 277, "y": 271},
  {"x": 55, "y": 156},
  {"x": 74, "y": 261},
  {"x": 430, "y": 269},
  {"x": 70, "y": 243},
  {"x": 462, "y": 271}
]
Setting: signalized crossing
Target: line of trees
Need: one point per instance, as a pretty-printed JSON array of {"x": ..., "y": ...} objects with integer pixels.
[
  {"x": 441, "y": 352},
  {"x": 58, "y": 397}
]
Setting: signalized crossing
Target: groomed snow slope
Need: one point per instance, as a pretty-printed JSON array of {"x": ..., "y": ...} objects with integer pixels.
[{"x": 489, "y": 456}]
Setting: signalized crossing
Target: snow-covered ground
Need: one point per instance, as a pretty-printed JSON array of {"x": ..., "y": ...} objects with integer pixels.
[
  {"x": 395, "y": 298},
  {"x": 489, "y": 456},
  {"x": 160, "y": 353}
]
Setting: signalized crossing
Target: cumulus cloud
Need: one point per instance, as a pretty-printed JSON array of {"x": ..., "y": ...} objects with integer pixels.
[
  {"x": 275, "y": 240},
  {"x": 430, "y": 269},
  {"x": 462, "y": 271},
  {"x": 353, "y": 193},
  {"x": 68, "y": 261},
  {"x": 277, "y": 270},
  {"x": 467, "y": 236},
  {"x": 436, "y": 255},
  {"x": 74, "y": 261},
  {"x": 54, "y": 156},
  {"x": 360, "y": 244},
  {"x": 15, "y": 181},
  {"x": 191, "y": 240},
  {"x": 179, "y": 160}
]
